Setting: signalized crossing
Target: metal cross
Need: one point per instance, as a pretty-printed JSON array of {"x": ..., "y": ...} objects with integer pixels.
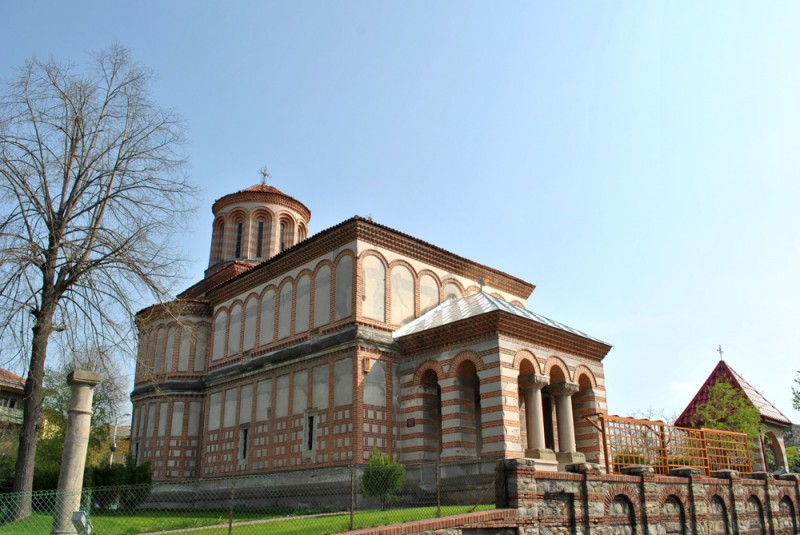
[
  {"x": 720, "y": 351},
  {"x": 264, "y": 175}
]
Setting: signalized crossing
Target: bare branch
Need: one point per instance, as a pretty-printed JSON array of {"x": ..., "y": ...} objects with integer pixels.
[{"x": 92, "y": 196}]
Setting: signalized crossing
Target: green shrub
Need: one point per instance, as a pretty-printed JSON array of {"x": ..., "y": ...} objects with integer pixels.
[{"x": 383, "y": 477}]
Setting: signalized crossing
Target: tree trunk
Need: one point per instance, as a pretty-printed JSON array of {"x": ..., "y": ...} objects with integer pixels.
[{"x": 32, "y": 407}]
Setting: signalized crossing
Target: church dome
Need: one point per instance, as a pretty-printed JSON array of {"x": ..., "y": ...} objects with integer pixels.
[{"x": 254, "y": 224}]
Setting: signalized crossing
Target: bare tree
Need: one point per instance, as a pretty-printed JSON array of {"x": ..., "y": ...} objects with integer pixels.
[{"x": 91, "y": 193}]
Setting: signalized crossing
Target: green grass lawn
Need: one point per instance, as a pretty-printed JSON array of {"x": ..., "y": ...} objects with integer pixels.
[{"x": 165, "y": 521}]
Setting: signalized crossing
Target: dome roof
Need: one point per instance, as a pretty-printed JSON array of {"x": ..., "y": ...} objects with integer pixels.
[{"x": 262, "y": 193}]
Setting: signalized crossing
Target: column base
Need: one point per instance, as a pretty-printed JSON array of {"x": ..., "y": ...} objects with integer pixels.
[
  {"x": 544, "y": 460},
  {"x": 569, "y": 457},
  {"x": 540, "y": 453}
]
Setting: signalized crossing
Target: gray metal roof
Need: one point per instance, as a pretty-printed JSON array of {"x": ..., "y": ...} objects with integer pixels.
[{"x": 453, "y": 310}]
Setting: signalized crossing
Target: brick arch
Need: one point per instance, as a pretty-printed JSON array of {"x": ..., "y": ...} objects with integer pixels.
[
  {"x": 345, "y": 252},
  {"x": 675, "y": 492},
  {"x": 262, "y": 211},
  {"x": 306, "y": 271},
  {"x": 429, "y": 365},
  {"x": 432, "y": 274},
  {"x": 620, "y": 489},
  {"x": 286, "y": 216},
  {"x": 525, "y": 354},
  {"x": 789, "y": 495},
  {"x": 448, "y": 280},
  {"x": 723, "y": 496},
  {"x": 556, "y": 362},
  {"x": 236, "y": 214},
  {"x": 582, "y": 370},
  {"x": 758, "y": 497},
  {"x": 378, "y": 254},
  {"x": 517, "y": 303},
  {"x": 498, "y": 296},
  {"x": 266, "y": 214},
  {"x": 464, "y": 356},
  {"x": 399, "y": 262},
  {"x": 472, "y": 290},
  {"x": 320, "y": 265},
  {"x": 265, "y": 290}
]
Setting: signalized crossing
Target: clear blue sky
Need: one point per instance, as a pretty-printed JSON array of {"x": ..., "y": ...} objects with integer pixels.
[{"x": 637, "y": 161}]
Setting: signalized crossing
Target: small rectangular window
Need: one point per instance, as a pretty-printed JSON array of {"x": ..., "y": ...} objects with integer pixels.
[
  {"x": 310, "y": 432},
  {"x": 239, "y": 240},
  {"x": 260, "y": 245},
  {"x": 243, "y": 445}
]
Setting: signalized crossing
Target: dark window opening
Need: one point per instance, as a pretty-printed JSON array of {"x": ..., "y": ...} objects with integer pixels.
[
  {"x": 243, "y": 445},
  {"x": 310, "y": 433},
  {"x": 283, "y": 237},
  {"x": 260, "y": 245},
  {"x": 239, "y": 240}
]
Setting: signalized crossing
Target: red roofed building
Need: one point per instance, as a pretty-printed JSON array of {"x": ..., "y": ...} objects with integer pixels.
[
  {"x": 11, "y": 391},
  {"x": 774, "y": 420}
]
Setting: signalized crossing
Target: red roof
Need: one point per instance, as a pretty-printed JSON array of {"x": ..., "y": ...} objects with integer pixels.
[
  {"x": 723, "y": 372},
  {"x": 263, "y": 188},
  {"x": 8, "y": 376}
]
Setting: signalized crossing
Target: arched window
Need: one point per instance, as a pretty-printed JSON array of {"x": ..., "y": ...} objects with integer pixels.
[
  {"x": 250, "y": 317},
  {"x": 344, "y": 288},
  {"x": 170, "y": 350},
  {"x": 185, "y": 346},
  {"x": 373, "y": 298},
  {"x": 235, "y": 332},
  {"x": 239, "y": 231},
  {"x": 266, "y": 327},
  {"x": 220, "y": 328},
  {"x": 302, "y": 233},
  {"x": 302, "y": 309},
  {"x": 403, "y": 304},
  {"x": 322, "y": 296},
  {"x": 160, "y": 351},
  {"x": 200, "y": 348},
  {"x": 285, "y": 311},
  {"x": 428, "y": 293},
  {"x": 285, "y": 235},
  {"x": 260, "y": 234},
  {"x": 218, "y": 241},
  {"x": 452, "y": 291}
]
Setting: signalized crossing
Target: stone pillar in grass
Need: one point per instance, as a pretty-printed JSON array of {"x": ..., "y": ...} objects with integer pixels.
[{"x": 76, "y": 443}]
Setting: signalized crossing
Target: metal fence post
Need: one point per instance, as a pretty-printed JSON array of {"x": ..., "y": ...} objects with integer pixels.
[
  {"x": 438, "y": 492},
  {"x": 230, "y": 507},
  {"x": 352, "y": 494}
]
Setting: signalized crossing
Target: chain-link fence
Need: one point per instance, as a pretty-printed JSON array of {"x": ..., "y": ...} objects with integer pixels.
[{"x": 301, "y": 502}]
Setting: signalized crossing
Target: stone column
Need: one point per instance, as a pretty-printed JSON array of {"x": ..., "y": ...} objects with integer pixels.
[
  {"x": 534, "y": 418},
  {"x": 567, "y": 452},
  {"x": 76, "y": 443}
]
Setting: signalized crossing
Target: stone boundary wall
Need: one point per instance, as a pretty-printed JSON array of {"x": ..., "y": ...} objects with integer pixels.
[{"x": 560, "y": 503}]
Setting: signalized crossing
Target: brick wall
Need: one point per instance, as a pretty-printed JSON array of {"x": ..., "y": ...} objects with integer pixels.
[{"x": 555, "y": 503}]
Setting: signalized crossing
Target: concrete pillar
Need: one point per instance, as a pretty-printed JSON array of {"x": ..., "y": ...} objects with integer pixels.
[
  {"x": 76, "y": 443},
  {"x": 566, "y": 426},
  {"x": 534, "y": 417}
]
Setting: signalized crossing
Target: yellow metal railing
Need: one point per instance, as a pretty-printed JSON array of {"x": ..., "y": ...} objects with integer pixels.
[{"x": 628, "y": 441}]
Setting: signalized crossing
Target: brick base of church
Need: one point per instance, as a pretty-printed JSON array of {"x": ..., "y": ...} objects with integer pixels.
[{"x": 557, "y": 503}]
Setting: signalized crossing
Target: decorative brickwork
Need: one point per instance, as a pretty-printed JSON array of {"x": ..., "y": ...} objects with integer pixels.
[{"x": 287, "y": 355}]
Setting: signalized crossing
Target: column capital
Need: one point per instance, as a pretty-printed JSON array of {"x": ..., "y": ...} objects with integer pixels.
[
  {"x": 563, "y": 388},
  {"x": 533, "y": 381},
  {"x": 83, "y": 377}
]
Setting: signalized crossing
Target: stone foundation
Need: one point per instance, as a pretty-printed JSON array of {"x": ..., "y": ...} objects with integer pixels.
[{"x": 558, "y": 503}]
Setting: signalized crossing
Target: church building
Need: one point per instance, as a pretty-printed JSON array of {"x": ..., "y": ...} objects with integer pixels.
[{"x": 297, "y": 352}]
